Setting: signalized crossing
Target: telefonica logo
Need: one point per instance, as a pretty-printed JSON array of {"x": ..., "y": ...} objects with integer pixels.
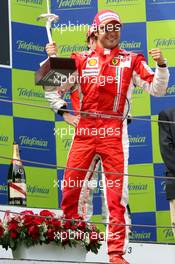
[
  {"x": 165, "y": 42},
  {"x": 3, "y": 91},
  {"x": 74, "y": 48},
  {"x": 67, "y": 143},
  {"x": 137, "y": 187},
  {"x": 3, "y": 138},
  {"x": 3, "y": 188},
  {"x": 73, "y": 3},
  {"x": 138, "y": 90},
  {"x": 140, "y": 236},
  {"x": 37, "y": 189},
  {"x": 24, "y": 140},
  {"x": 29, "y": 93},
  {"x": 171, "y": 89},
  {"x": 168, "y": 233},
  {"x": 130, "y": 45},
  {"x": 33, "y": 2},
  {"x": 121, "y": 1},
  {"x": 137, "y": 139},
  {"x": 29, "y": 46}
]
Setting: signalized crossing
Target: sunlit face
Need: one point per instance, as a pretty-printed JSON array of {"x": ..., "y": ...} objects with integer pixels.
[{"x": 108, "y": 35}]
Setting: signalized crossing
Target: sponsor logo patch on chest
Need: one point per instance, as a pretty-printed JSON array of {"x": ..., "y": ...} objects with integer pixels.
[
  {"x": 90, "y": 72},
  {"x": 115, "y": 61},
  {"x": 92, "y": 62},
  {"x": 121, "y": 61}
]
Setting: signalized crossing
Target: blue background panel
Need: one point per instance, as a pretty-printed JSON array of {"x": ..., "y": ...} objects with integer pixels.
[
  {"x": 160, "y": 10},
  {"x": 132, "y": 40},
  {"x": 5, "y": 91},
  {"x": 3, "y": 183},
  {"x": 70, "y": 13},
  {"x": 143, "y": 233},
  {"x": 28, "y": 44},
  {"x": 140, "y": 142},
  {"x": 161, "y": 203},
  {"x": 36, "y": 140}
]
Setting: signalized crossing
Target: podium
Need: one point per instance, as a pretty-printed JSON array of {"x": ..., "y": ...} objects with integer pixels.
[{"x": 55, "y": 71}]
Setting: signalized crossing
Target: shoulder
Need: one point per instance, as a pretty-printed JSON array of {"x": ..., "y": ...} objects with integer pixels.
[
  {"x": 82, "y": 54},
  {"x": 135, "y": 57},
  {"x": 80, "y": 58}
]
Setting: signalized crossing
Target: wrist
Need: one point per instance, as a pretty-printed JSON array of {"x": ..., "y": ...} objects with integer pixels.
[
  {"x": 65, "y": 114},
  {"x": 62, "y": 110},
  {"x": 162, "y": 63}
]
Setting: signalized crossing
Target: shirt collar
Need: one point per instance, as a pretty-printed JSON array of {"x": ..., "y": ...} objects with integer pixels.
[{"x": 104, "y": 51}]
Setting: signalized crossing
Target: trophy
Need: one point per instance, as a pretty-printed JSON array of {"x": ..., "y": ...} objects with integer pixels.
[{"x": 54, "y": 71}]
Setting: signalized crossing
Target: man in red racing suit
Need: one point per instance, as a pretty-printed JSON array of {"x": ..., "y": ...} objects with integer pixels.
[{"x": 108, "y": 76}]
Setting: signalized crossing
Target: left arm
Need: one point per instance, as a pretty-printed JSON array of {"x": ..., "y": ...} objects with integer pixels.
[{"x": 154, "y": 83}]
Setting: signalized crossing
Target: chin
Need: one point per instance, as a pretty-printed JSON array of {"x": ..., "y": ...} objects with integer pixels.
[{"x": 111, "y": 45}]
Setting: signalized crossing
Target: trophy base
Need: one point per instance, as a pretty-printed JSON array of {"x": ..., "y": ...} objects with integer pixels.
[{"x": 55, "y": 71}]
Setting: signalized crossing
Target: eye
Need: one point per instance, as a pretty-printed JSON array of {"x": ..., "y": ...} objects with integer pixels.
[{"x": 112, "y": 27}]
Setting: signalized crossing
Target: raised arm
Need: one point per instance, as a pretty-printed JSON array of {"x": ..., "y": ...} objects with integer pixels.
[{"x": 155, "y": 83}]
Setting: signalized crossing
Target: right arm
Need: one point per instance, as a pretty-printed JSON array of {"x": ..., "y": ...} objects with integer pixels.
[{"x": 54, "y": 98}]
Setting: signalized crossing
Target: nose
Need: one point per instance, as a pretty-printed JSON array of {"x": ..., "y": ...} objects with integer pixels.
[{"x": 112, "y": 33}]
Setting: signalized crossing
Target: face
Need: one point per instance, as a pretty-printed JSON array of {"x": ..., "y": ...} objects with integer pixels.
[
  {"x": 92, "y": 42},
  {"x": 108, "y": 36}
]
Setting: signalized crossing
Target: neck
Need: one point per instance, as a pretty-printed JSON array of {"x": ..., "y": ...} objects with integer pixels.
[{"x": 100, "y": 45}]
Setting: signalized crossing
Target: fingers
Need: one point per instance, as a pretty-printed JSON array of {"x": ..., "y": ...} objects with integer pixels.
[
  {"x": 76, "y": 120},
  {"x": 156, "y": 54},
  {"x": 51, "y": 49}
]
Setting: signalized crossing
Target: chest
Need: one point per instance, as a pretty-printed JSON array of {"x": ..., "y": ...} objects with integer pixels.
[{"x": 106, "y": 73}]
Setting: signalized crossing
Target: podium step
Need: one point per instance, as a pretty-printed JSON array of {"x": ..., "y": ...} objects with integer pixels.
[{"x": 12, "y": 261}]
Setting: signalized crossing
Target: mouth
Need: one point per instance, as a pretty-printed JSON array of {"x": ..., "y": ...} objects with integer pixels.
[{"x": 111, "y": 39}]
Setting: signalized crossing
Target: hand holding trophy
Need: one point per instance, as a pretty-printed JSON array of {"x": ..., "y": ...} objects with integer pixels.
[{"x": 54, "y": 71}]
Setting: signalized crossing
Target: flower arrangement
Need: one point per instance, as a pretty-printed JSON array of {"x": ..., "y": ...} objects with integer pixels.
[{"x": 32, "y": 229}]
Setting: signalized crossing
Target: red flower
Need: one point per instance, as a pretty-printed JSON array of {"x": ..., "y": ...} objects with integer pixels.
[
  {"x": 38, "y": 220},
  {"x": 81, "y": 225},
  {"x": 74, "y": 226},
  {"x": 67, "y": 224},
  {"x": 51, "y": 234},
  {"x": 27, "y": 212},
  {"x": 64, "y": 236},
  {"x": 46, "y": 213},
  {"x": 56, "y": 223},
  {"x": 1, "y": 230},
  {"x": 28, "y": 225},
  {"x": 13, "y": 234},
  {"x": 28, "y": 220},
  {"x": 33, "y": 232},
  {"x": 12, "y": 225}
]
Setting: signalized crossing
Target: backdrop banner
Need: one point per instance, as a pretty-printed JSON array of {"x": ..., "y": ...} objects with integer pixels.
[{"x": 44, "y": 137}]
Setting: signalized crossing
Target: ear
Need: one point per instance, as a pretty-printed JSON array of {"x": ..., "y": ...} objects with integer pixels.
[{"x": 96, "y": 33}]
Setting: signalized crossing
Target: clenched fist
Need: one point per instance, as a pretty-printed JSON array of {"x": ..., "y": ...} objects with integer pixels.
[
  {"x": 51, "y": 49},
  {"x": 157, "y": 56}
]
